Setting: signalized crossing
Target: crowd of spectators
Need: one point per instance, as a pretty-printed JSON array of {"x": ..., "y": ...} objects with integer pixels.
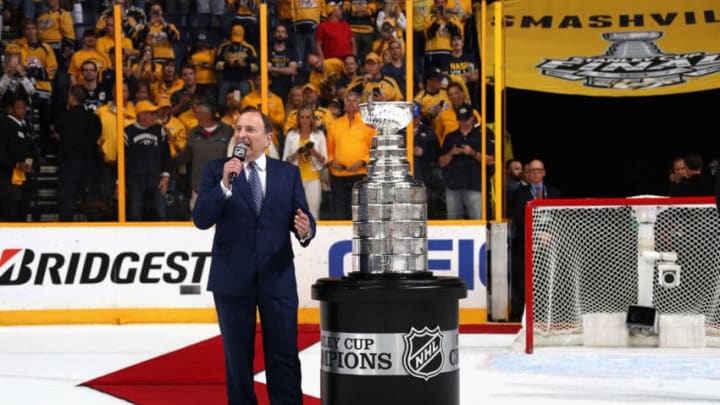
[{"x": 188, "y": 69}]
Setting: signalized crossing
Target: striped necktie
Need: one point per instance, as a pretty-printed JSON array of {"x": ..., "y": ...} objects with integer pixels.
[{"x": 256, "y": 194}]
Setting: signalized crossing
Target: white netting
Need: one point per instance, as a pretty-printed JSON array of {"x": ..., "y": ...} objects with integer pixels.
[{"x": 585, "y": 261}]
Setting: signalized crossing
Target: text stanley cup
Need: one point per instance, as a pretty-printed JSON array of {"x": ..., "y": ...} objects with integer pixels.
[{"x": 389, "y": 210}]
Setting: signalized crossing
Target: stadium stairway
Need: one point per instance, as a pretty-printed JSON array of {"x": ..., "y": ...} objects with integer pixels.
[{"x": 43, "y": 207}]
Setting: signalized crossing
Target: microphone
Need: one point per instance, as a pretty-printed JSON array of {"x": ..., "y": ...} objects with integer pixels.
[{"x": 238, "y": 152}]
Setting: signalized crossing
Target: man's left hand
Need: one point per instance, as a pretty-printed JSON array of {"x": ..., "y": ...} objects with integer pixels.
[{"x": 302, "y": 224}]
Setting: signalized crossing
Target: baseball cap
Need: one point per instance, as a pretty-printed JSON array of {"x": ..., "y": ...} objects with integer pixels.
[
  {"x": 372, "y": 56},
  {"x": 387, "y": 24},
  {"x": 201, "y": 37},
  {"x": 12, "y": 48},
  {"x": 464, "y": 112},
  {"x": 435, "y": 74},
  {"x": 163, "y": 100},
  {"x": 145, "y": 106},
  {"x": 311, "y": 87},
  {"x": 330, "y": 7},
  {"x": 238, "y": 33}
]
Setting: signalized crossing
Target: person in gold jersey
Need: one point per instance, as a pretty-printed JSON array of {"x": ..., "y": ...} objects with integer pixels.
[{"x": 349, "y": 140}]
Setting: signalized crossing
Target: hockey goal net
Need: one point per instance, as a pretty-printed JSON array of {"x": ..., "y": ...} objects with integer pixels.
[{"x": 589, "y": 261}]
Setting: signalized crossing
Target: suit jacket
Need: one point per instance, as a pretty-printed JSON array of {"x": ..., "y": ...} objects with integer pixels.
[
  {"x": 15, "y": 146},
  {"x": 252, "y": 254},
  {"x": 519, "y": 200},
  {"x": 694, "y": 186}
]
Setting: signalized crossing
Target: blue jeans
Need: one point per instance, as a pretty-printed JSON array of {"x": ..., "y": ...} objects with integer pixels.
[
  {"x": 144, "y": 202},
  {"x": 304, "y": 43},
  {"x": 462, "y": 202},
  {"x": 32, "y": 9}
]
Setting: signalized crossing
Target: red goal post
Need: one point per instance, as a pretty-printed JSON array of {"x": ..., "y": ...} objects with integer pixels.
[{"x": 587, "y": 261}]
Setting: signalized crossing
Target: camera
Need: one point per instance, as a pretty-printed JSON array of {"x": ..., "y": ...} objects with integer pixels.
[
  {"x": 441, "y": 10},
  {"x": 668, "y": 274},
  {"x": 305, "y": 149},
  {"x": 155, "y": 13}
]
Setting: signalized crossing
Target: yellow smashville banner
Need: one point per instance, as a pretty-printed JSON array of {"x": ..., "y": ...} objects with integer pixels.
[{"x": 611, "y": 48}]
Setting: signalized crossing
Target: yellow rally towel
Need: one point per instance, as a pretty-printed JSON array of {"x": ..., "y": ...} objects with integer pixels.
[{"x": 18, "y": 177}]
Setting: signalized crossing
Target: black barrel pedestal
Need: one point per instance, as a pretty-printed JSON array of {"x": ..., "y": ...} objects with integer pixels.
[{"x": 389, "y": 339}]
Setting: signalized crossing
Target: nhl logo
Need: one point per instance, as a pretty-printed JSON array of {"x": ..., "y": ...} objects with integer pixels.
[{"x": 423, "y": 355}]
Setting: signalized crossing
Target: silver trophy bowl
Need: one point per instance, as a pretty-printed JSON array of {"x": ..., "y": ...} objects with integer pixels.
[
  {"x": 389, "y": 207},
  {"x": 387, "y": 117}
]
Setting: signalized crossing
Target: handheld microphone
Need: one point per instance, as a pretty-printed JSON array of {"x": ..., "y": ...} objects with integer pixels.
[{"x": 238, "y": 152}]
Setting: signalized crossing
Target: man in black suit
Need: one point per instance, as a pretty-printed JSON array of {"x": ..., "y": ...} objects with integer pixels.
[
  {"x": 252, "y": 259},
  {"x": 78, "y": 130},
  {"x": 695, "y": 183},
  {"x": 535, "y": 189},
  {"x": 16, "y": 160}
]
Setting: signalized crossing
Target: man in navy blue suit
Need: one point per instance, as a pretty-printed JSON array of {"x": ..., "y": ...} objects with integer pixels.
[{"x": 252, "y": 260}]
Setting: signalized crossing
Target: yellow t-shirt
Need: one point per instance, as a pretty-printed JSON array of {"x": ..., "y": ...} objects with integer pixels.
[
  {"x": 349, "y": 141},
  {"x": 108, "y": 137},
  {"x": 305, "y": 165}
]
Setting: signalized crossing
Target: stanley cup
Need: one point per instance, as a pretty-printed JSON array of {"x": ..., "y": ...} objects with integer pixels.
[{"x": 389, "y": 209}]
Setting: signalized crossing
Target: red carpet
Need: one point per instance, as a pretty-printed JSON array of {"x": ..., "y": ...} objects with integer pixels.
[
  {"x": 192, "y": 375},
  {"x": 195, "y": 374}
]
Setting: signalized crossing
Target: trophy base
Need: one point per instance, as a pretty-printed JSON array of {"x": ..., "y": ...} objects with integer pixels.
[{"x": 389, "y": 338}]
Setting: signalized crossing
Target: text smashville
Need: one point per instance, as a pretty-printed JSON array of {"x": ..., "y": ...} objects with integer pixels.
[{"x": 603, "y": 21}]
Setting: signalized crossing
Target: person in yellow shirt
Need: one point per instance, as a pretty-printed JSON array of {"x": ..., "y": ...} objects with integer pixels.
[
  {"x": 246, "y": 12},
  {"x": 40, "y": 67},
  {"x": 169, "y": 83},
  {"x": 303, "y": 17},
  {"x": 107, "y": 42},
  {"x": 323, "y": 116},
  {"x": 440, "y": 26},
  {"x": 108, "y": 142},
  {"x": 275, "y": 108},
  {"x": 393, "y": 13},
  {"x": 146, "y": 68},
  {"x": 177, "y": 135},
  {"x": 294, "y": 101},
  {"x": 236, "y": 62},
  {"x": 420, "y": 9},
  {"x": 133, "y": 19},
  {"x": 324, "y": 72},
  {"x": 159, "y": 33},
  {"x": 233, "y": 97},
  {"x": 361, "y": 17},
  {"x": 374, "y": 85},
  {"x": 388, "y": 35},
  {"x": 202, "y": 56},
  {"x": 175, "y": 129},
  {"x": 88, "y": 52},
  {"x": 188, "y": 116},
  {"x": 433, "y": 97},
  {"x": 349, "y": 141},
  {"x": 446, "y": 121},
  {"x": 56, "y": 28}
]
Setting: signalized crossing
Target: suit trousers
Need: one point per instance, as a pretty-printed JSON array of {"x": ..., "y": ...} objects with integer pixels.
[{"x": 278, "y": 317}]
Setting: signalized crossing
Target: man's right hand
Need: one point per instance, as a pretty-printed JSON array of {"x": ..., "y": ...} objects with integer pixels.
[
  {"x": 336, "y": 165},
  {"x": 233, "y": 165}
]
